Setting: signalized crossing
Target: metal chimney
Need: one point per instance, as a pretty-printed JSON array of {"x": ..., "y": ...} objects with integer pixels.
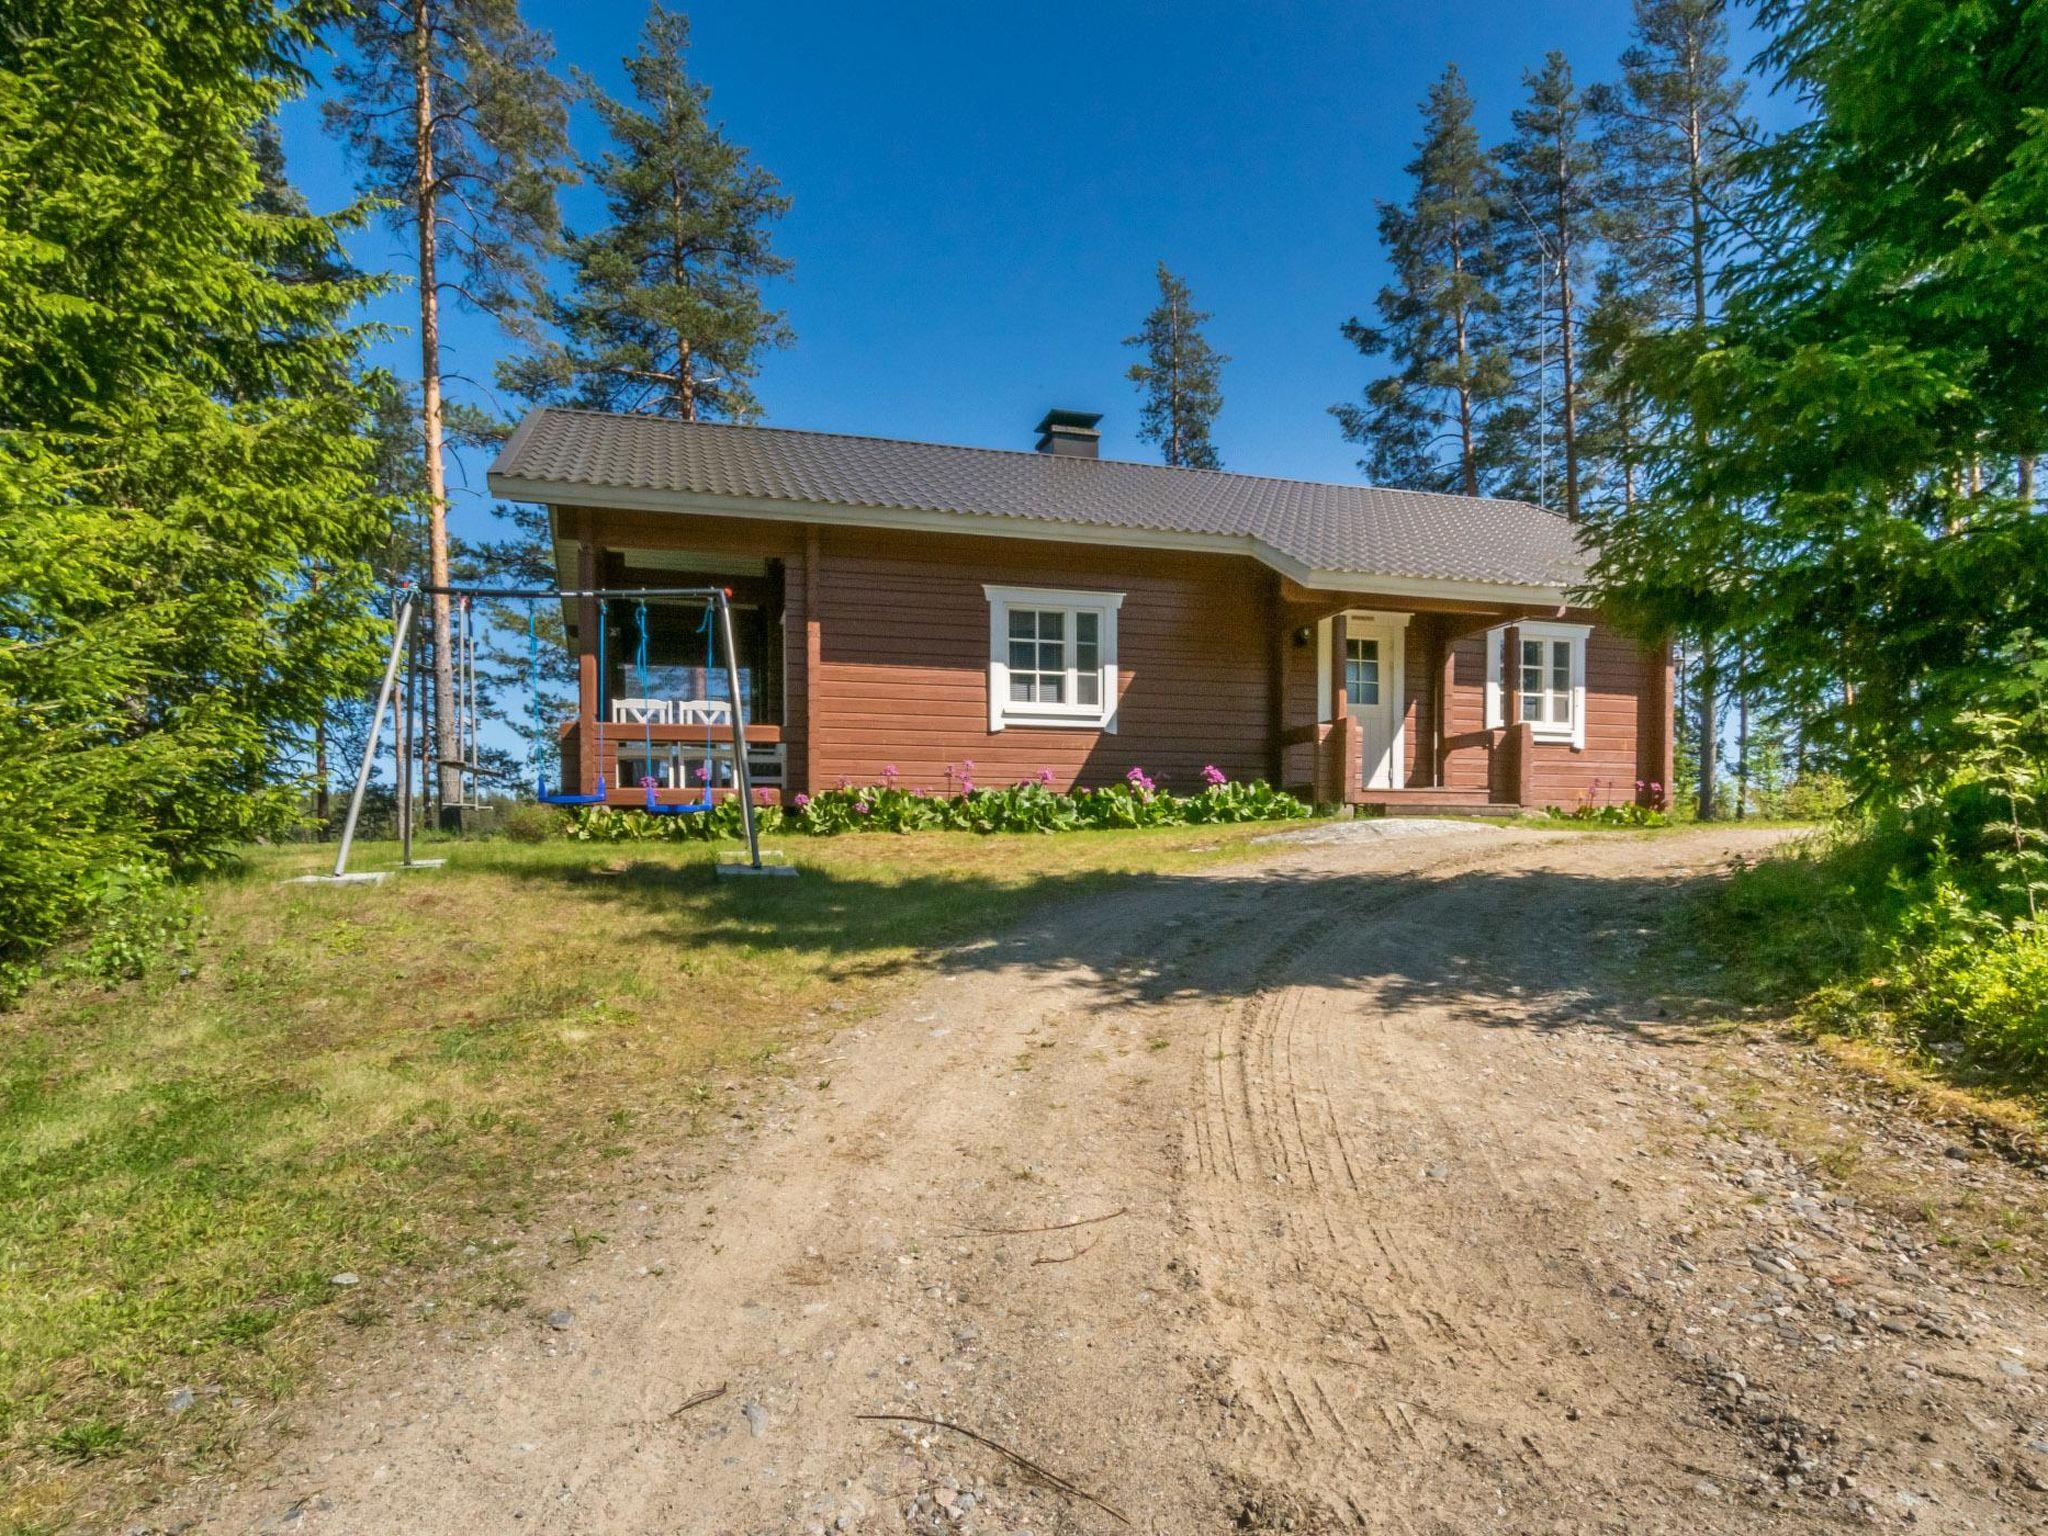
[{"x": 1070, "y": 434}]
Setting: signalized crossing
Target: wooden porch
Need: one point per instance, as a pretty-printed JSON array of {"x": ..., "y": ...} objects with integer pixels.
[
  {"x": 1455, "y": 746},
  {"x": 616, "y": 752}
]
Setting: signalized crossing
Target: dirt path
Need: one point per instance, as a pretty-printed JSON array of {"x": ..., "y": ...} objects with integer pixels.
[{"x": 1399, "y": 1217}]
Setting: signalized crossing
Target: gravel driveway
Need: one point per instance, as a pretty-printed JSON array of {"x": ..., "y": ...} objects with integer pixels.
[{"x": 1348, "y": 1190}]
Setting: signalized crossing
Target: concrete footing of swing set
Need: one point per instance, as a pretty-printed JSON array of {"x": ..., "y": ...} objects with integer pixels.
[
  {"x": 772, "y": 863},
  {"x": 353, "y": 877}
]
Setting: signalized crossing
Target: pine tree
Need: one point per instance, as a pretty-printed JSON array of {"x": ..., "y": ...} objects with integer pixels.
[
  {"x": 1614, "y": 428},
  {"x": 461, "y": 127},
  {"x": 664, "y": 313},
  {"x": 1672, "y": 136},
  {"x": 1548, "y": 231},
  {"x": 1440, "y": 317},
  {"x": 183, "y": 481},
  {"x": 1181, "y": 378}
]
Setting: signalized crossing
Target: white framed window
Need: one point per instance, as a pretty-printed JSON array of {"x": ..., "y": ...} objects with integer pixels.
[
  {"x": 1550, "y": 679},
  {"x": 1362, "y": 672},
  {"x": 1051, "y": 657}
]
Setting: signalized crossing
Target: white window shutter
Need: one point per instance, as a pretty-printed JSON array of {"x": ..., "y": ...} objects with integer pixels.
[{"x": 1496, "y": 708}]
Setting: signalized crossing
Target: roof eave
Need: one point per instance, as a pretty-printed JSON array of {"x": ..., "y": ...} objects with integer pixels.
[{"x": 929, "y": 520}]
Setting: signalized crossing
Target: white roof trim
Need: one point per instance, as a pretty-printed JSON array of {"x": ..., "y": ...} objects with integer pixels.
[{"x": 767, "y": 509}]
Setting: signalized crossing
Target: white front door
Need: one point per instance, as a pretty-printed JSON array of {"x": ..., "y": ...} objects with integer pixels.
[{"x": 1372, "y": 693}]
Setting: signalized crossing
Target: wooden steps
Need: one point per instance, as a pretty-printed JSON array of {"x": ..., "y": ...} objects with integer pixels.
[{"x": 1432, "y": 802}]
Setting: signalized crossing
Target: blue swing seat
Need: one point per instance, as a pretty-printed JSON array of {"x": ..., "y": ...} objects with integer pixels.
[
  {"x": 687, "y": 808},
  {"x": 540, "y": 793}
]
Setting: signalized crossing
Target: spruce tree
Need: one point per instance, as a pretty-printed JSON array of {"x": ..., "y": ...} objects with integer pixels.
[
  {"x": 461, "y": 128},
  {"x": 664, "y": 313},
  {"x": 183, "y": 482},
  {"x": 1181, "y": 378},
  {"x": 1549, "y": 197},
  {"x": 1867, "y": 394},
  {"x": 1672, "y": 136},
  {"x": 1439, "y": 320}
]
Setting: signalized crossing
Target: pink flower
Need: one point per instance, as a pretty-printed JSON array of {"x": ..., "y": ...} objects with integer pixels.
[
  {"x": 845, "y": 782},
  {"x": 1215, "y": 777},
  {"x": 1045, "y": 776},
  {"x": 889, "y": 772},
  {"x": 1140, "y": 781},
  {"x": 967, "y": 786},
  {"x": 802, "y": 800},
  {"x": 860, "y": 807}
]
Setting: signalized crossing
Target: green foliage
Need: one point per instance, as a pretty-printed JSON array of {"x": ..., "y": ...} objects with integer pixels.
[
  {"x": 722, "y": 823},
  {"x": 136, "y": 918},
  {"x": 1979, "y": 1002},
  {"x": 1181, "y": 378},
  {"x": 1549, "y": 188},
  {"x": 1031, "y": 806},
  {"x": 664, "y": 314},
  {"x": 1852, "y": 509},
  {"x": 183, "y": 486},
  {"x": 1921, "y": 922},
  {"x": 1627, "y": 814},
  {"x": 1034, "y": 806},
  {"x": 532, "y": 823},
  {"x": 1440, "y": 319},
  {"x": 497, "y": 123}
]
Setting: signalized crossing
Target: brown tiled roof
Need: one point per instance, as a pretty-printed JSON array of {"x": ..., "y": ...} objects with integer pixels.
[{"x": 1303, "y": 527}]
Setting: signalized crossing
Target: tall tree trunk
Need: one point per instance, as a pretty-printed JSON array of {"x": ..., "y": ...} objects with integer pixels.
[
  {"x": 1696, "y": 149},
  {"x": 1564, "y": 315},
  {"x": 1707, "y": 676},
  {"x": 1468, "y": 455},
  {"x": 1175, "y": 452},
  {"x": 425, "y": 213},
  {"x": 686, "y": 381},
  {"x": 1742, "y": 743},
  {"x": 322, "y": 803}
]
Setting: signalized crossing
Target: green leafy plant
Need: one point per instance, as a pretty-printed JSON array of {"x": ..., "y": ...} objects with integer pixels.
[
  {"x": 724, "y": 821},
  {"x": 532, "y": 823},
  {"x": 1033, "y": 805},
  {"x": 1597, "y": 807}
]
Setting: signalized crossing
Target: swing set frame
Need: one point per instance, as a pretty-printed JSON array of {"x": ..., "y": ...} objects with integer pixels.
[{"x": 718, "y": 603}]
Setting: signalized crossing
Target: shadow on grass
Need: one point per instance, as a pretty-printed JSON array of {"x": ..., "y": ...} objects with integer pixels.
[{"x": 1526, "y": 948}]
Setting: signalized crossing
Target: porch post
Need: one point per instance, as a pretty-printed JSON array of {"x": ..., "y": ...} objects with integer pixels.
[
  {"x": 588, "y": 684},
  {"x": 1276, "y": 685},
  {"x": 1446, "y": 668},
  {"x": 1654, "y": 761},
  {"x": 814, "y": 652},
  {"x": 1346, "y": 759},
  {"x": 1516, "y": 736}
]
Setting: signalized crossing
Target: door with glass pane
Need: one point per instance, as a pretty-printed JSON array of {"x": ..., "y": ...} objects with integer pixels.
[{"x": 1369, "y": 693}]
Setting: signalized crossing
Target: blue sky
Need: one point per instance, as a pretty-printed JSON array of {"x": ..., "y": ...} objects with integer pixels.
[{"x": 980, "y": 193}]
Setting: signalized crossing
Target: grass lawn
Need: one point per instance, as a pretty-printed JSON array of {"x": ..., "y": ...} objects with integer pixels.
[{"x": 360, "y": 1080}]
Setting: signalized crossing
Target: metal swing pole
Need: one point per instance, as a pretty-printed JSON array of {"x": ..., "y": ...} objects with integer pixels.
[
  {"x": 742, "y": 776},
  {"x": 415, "y": 747},
  {"x": 407, "y": 604}
]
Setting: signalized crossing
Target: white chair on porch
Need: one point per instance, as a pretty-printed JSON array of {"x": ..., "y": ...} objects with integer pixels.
[
  {"x": 643, "y": 712},
  {"x": 703, "y": 712}
]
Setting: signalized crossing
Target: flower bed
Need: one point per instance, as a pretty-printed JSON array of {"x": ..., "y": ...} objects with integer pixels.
[
  {"x": 1031, "y": 806},
  {"x": 1644, "y": 809}
]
